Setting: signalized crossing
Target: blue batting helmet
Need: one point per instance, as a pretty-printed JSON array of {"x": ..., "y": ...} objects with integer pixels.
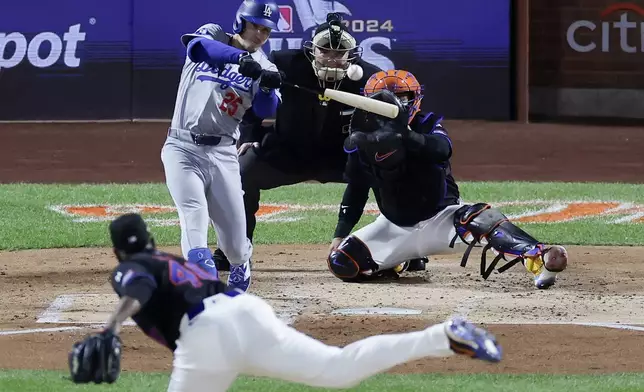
[{"x": 261, "y": 12}]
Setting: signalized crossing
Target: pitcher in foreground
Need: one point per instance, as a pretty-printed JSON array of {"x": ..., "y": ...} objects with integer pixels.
[{"x": 217, "y": 333}]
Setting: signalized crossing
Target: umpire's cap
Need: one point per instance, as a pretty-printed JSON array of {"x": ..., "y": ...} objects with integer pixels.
[{"x": 129, "y": 233}]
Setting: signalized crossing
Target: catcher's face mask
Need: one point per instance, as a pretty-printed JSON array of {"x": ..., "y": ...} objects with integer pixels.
[{"x": 402, "y": 83}]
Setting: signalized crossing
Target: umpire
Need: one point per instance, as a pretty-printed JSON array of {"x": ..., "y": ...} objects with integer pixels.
[{"x": 306, "y": 141}]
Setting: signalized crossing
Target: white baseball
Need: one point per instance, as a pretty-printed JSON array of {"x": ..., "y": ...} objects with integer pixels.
[{"x": 354, "y": 72}]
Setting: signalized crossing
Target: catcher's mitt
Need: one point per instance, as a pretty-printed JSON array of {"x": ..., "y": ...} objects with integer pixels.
[
  {"x": 381, "y": 138},
  {"x": 97, "y": 358}
]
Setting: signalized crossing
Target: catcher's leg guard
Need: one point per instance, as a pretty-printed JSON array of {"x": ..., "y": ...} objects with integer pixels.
[
  {"x": 482, "y": 224},
  {"x": 351, "y": 260}
]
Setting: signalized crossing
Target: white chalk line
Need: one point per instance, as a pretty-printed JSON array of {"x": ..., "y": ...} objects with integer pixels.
[
  {"x": 61, "y": 303},
  {"x": 601, "y": 325},
  {"x": 583, "y": 324},
  {"x": 37, "y": 330},
  {"x": 128, "y": 322}
]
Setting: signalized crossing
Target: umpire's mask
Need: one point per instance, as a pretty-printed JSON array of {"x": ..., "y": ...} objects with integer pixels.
[{"x": 332, "y": 50}]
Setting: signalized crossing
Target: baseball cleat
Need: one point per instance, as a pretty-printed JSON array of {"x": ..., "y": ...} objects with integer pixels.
[
  {"x": 417, "y": 264},
  {"x": 203, "y": 258},
  {"x": 239, "y": 277},
  {"x": 545, "y": 279},
  {"x": 411, "y": 265},
  {"x": 402, "y": 267},
  {"x": 467, "y": 339},
  {"x": 555, "y": 260}
]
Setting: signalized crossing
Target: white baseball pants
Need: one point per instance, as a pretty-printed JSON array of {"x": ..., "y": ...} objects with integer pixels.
[
  {"x": 242, "y": 335},
  {"x": 390, "y": 244},
  {"x": 205, "y": 184}
]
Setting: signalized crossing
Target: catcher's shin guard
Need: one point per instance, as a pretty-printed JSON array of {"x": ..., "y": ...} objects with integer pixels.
[
  {"x": 351, "y": 259},
  {"x": 481, "y": 224}
]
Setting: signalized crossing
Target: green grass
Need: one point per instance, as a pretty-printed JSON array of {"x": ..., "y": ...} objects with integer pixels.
[
  {"x": 45, "y": 381},
  {"x": 27, "y": 222}
]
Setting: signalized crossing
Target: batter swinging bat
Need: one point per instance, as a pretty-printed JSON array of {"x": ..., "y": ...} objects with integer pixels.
[{"x": 358, "y": 101}]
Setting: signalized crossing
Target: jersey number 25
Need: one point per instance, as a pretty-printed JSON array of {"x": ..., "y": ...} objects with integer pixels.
[{"x": 231, "y": 103}]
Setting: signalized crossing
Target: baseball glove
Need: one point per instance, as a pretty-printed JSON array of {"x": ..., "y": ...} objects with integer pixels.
[
  {"x": 381, "y": 138},
  {"x": 97, "y": 358}
]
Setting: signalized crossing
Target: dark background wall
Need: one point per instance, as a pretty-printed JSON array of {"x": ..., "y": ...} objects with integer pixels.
[
  {"x": 80, "y": 60},
  {"x": 582, "y": 65}
]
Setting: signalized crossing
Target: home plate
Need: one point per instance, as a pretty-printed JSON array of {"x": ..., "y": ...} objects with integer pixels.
[{"x": 379, "y": 311}]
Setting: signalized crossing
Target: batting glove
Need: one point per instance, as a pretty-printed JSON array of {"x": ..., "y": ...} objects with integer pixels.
[
  {"x": 271, "y": 79},
  {"x": 249, "y": 67}
]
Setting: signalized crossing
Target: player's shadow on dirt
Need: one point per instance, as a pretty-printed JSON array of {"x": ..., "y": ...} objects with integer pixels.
[
  {"x": 282, "y": 270},
  {"x": 399, "y": 280},
  {"x": 376, "y": 280}
]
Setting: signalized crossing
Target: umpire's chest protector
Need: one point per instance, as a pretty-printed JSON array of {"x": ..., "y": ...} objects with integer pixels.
[{"x": 306, "y": 117}]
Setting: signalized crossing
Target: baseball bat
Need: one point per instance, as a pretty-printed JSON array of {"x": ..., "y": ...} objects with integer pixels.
[{"x": 358, "y": 101}]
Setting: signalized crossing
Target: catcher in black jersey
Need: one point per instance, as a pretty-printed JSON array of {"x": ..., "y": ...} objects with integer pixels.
[
  {"x": 217, "y": 333},
  {"x": 405, "y": 161}
]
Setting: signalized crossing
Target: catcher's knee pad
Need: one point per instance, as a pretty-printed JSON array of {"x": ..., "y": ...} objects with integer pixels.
[
  {"x": 482, "y": 224},
  {"x": 351, "y": 259}
]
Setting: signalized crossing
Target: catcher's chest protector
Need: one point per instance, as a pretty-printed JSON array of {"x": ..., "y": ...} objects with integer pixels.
[{"x": 384, "y": 166}]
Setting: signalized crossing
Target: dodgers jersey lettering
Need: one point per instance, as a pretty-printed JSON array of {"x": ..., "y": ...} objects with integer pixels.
[{"x": 213, "y": 101}]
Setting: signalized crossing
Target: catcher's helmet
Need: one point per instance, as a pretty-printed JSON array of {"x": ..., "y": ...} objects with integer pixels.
[
  {"x": 402, "y": 83},
  {"x": 261, "y": 12}
]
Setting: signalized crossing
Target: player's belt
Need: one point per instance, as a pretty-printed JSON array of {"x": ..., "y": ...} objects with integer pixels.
[
  {"x": 195, "y": 310},
  {"x": 200, "y": 139}
]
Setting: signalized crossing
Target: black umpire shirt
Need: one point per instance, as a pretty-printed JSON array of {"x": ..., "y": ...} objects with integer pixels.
[
  {"x": 167, "y": 288},
  {"x": 309, "y": 132},
  {"x": 423, "y": 188}
]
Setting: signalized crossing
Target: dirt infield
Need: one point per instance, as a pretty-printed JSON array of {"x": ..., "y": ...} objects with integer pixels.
[
  {"x": 589, "y": 323},
  {"x": 37, "y": 287}
]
